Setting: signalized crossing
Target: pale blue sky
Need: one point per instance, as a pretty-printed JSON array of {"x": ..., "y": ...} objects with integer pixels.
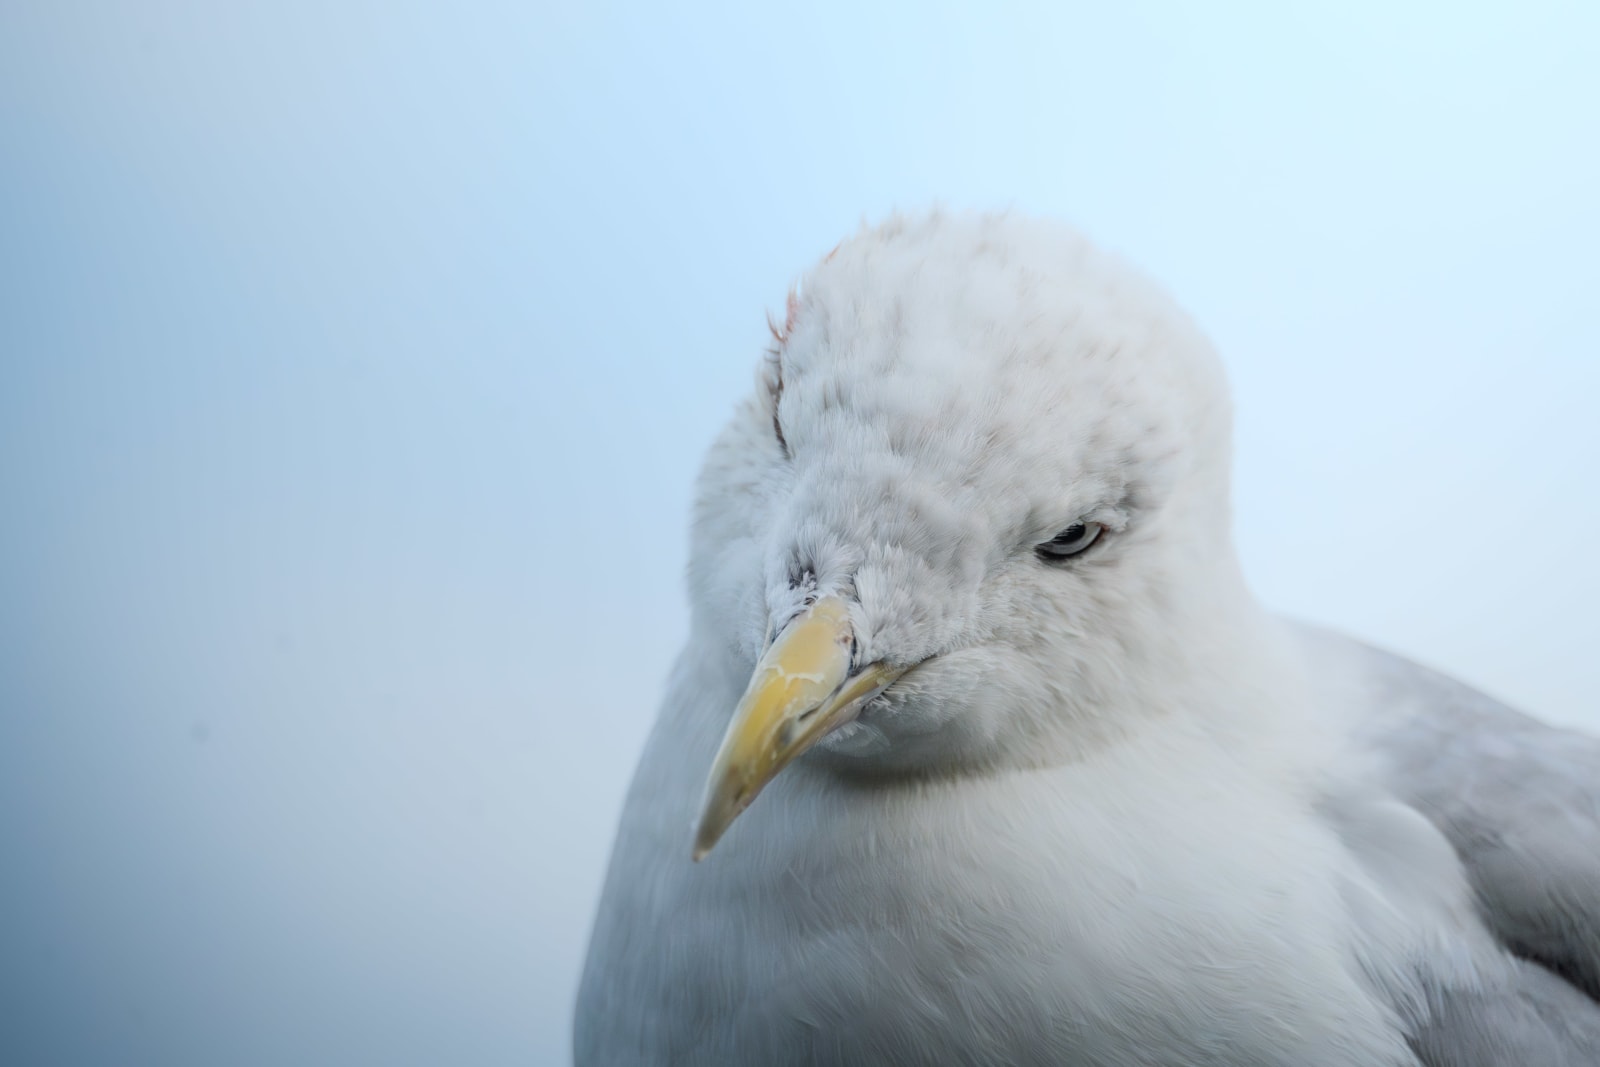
[{"x": 356, "y": 360}]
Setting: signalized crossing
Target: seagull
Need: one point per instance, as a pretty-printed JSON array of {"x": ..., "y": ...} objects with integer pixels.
[{"x": 981, "y": 751}]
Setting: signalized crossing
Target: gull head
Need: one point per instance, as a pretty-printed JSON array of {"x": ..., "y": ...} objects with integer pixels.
[{"x": 975, "y": 512}]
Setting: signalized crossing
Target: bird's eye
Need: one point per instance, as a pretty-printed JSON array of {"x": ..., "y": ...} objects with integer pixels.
[{"x": 1075, "y": 539}]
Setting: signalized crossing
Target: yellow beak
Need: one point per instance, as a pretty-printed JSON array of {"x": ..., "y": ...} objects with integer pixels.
[{"x": 802, "y": 688}]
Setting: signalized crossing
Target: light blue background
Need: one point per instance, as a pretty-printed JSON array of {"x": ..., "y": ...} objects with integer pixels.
[{"x": 356, "y": 360}]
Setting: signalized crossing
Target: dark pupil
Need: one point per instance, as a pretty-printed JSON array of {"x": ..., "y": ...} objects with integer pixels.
[{"x": 1072, "y": 533}]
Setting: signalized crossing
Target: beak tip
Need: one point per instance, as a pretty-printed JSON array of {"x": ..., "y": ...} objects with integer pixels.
[{"x": 703, "y": 844}]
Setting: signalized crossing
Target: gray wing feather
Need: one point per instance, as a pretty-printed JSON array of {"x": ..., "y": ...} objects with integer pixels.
[
  {"x": 1533, "y": 1020},
  {"x": 1520, "y": 803}
]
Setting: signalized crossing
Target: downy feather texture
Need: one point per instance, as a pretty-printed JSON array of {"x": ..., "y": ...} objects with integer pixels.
[{"x": 1116, "y": 814}]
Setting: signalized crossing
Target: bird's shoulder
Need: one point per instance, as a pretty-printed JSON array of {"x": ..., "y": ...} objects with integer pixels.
[{"x": 1515, "y": 966}]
